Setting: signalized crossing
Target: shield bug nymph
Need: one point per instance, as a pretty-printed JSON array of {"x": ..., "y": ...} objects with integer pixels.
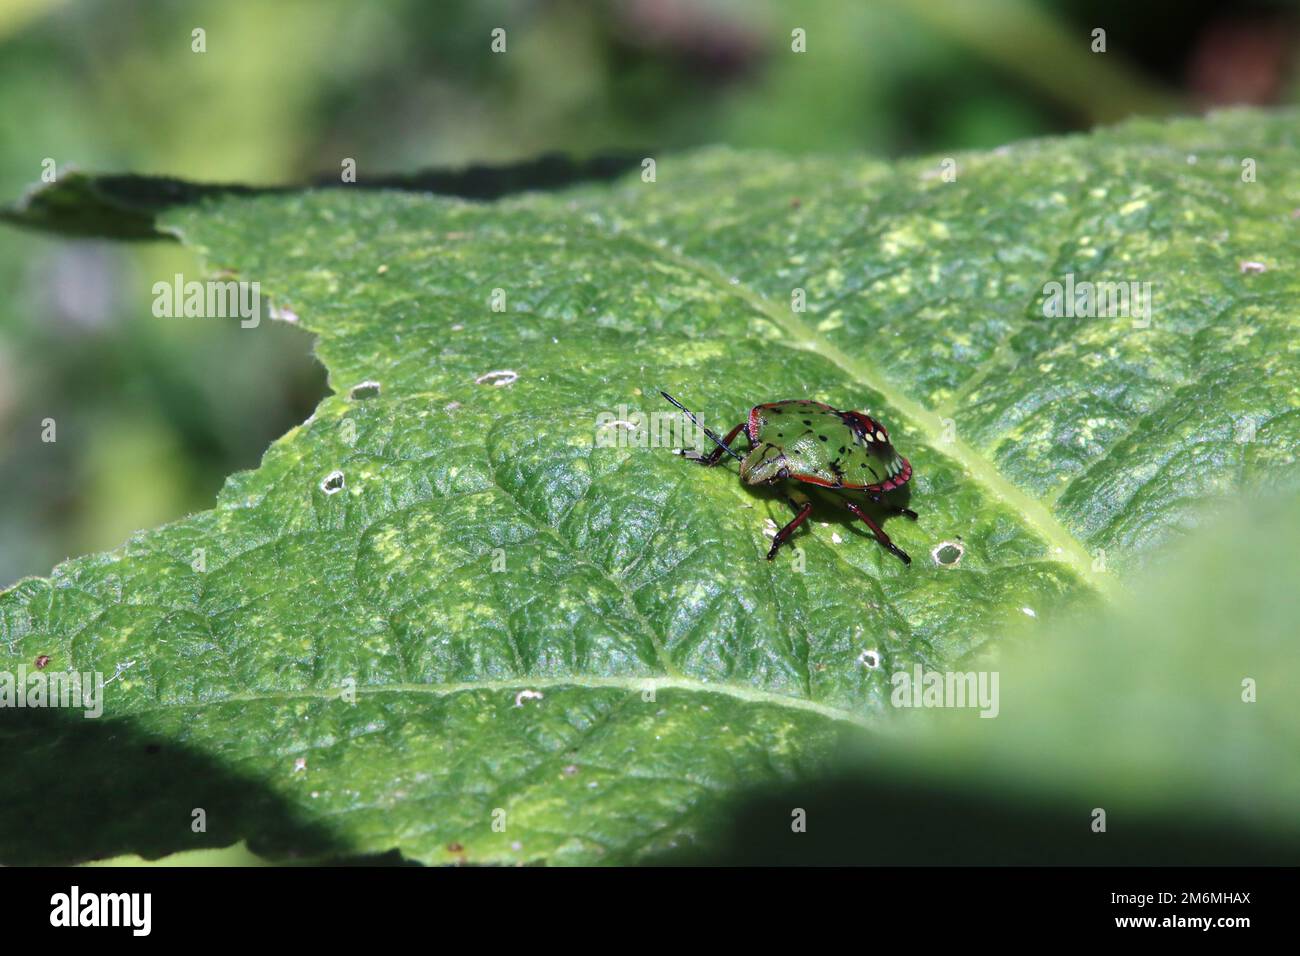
[{"x": 800, "y": 441}]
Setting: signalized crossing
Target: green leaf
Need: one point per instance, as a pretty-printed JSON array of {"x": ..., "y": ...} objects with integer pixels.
[
  {"x": 1174, "y": 714},
  {"x": 485, "y": 542}
]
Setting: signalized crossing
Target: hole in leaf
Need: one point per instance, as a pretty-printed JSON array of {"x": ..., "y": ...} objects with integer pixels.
[
  {"x": 333, "y": 483},
  {"x": 948, "y": 553}
]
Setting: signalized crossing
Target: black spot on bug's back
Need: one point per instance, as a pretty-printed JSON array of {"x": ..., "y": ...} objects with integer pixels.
[
  {"x": 807, "y": 422},
  {"x": 822, "y": 437},
  {"x": 842, "y": 449}
]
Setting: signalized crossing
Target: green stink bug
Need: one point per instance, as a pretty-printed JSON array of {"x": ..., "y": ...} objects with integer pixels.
[{"x": 803, "y": 441}]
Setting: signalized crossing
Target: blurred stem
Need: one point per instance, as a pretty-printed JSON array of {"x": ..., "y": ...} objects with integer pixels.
[{"x": 1028, "y": 41}]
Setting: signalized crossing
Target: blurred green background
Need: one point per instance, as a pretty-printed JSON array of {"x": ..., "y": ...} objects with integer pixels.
[{"x": 152, "y": 414}]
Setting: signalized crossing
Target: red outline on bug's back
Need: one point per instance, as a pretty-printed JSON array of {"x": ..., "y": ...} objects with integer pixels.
[
  {"x": 751, "y": 426},
  {"x": 863, "y": 424},
  {"x": 751, "y": 429},
  {"x": 888, "y": 485}
]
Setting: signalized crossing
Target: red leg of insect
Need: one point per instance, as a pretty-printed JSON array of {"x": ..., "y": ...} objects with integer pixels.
[
  {"x": 894, "y": 509},
  {"x": 712, "y": 457},
  {"x": 783, "y": 535},
  {"x": 880, "y": 534}
]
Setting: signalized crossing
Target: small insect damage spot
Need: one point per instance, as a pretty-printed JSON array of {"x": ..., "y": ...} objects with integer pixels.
[
  {"x": 948, "y": 554},
  {"x": 870, "y": 660},
  {"x": 120, "y": 668},
  {"x": 524, "y": 695},
  {"x": 363, "y": 390},
  {"x": 1251, "y": 268},
  {"x": 629, "y": 426},
  {"x": 500, "y": 378},
  {"x": 332, "y": 483},
  {"x": 42, "y": 662}
]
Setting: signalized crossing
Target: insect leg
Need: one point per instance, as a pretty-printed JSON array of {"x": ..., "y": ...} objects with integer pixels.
[
  {"x": 780, "y": 538},
  {"x": 712, "y": 457},
  {"x": 878, "y": 532},
  {"x": 892, "y": 508}
]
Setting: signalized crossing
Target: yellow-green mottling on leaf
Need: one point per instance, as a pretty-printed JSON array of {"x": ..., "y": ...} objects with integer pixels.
[{"x": 503, "y": 641}]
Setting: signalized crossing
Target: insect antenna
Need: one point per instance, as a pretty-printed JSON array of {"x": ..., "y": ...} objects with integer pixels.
[{"x": 698, "y": 424}]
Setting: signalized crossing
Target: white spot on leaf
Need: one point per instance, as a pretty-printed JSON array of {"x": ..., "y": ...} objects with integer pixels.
[{"x": 500, "y": 377}]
